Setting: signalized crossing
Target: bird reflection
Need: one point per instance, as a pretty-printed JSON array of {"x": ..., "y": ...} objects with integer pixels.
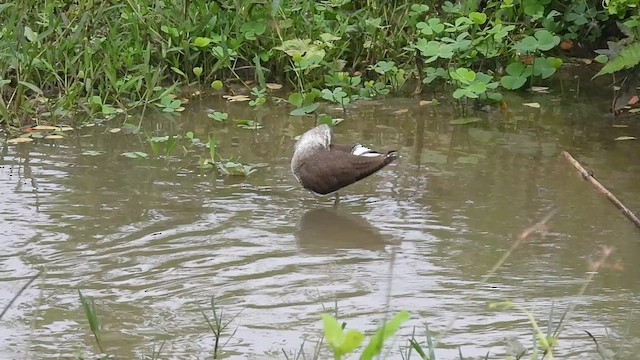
[{"x": 327, "y": 230}]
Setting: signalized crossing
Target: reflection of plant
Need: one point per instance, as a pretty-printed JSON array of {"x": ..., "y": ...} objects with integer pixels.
[
  {"x": 218, "y": 116},
  {"x": 224, "y": 166},
  {"x": 163, "y": 144}
]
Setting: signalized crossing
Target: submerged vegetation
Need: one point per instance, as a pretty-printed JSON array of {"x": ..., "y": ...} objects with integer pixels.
[{"x": 62, "y": 60}]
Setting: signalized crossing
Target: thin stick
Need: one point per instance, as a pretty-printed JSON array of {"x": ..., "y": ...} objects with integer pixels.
[{"x": 589, "y": 177}]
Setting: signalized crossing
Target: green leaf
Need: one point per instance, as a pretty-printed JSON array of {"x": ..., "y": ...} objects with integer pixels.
[
  {"x": 248, "y": 124},
  {"x": 478, "y": 87},
  {"x": 217, "y": 85},
  {"x": 542, "y": 68},
  {"x": 296, "y": 99},
  {"x": 459, "y": 93},
  {"x": 340, "y": 343},
  {"x": 527, "y": 45},
  {"x": 546, "y": 40},
  {"x": 30, "y": 86},
  {"x": 554, "y": 62},
  {"x": 197, "y": 71},
  {"x": 601, "y": 58},
  {"x": 513, "y": 82},
  {"x": 628, "y": 57},
  {"x": 31, "y": 35},
  {"x": 178, "y": 71},
  {"x": 305, "y": 110},
  {"x": 478, "y": 18},
  {"x": 201, "y": 41},
  {"x": 515, "y": 68},
  {"x": 386, "y": 331},
  {"x": 135, "y": 155}
]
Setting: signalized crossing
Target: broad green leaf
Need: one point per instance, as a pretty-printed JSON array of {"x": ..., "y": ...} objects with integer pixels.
[
  {"x": 217, "y": 85},
  {"x": 478, "y": 87},
  {"x": 516, "y": 68},
  {"x": 305, "y": 110},
  {"x": 466, "y": 75},
  {"x": 478, "y": 18},
  {"x": 546, "y": 40},
  {"x": 459, "y": 93},
  {"x": 628, "y": 57},
  {"x": 340, "y": 342},
  {"x": 541, "y": 67},
  {"x": 512, "y": 82},
  {"x": 31, "y": 35},
  {"x": 296, "y": 99},
  {"x": 527, "y": 45},
  {"x": 201, "y": 41},
  {"x": 386, "y": 331},
  {"x": 601, "y": 58}
]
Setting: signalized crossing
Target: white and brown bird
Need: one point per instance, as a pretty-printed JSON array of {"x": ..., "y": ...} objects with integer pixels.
[{"x": 324, "y": 168}]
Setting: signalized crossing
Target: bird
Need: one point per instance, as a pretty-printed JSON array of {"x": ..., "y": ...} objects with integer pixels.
[{"x": 324, "y": 168}]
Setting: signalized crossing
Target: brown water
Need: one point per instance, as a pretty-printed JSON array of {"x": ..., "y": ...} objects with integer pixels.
[{"x": 152, "y": 240}]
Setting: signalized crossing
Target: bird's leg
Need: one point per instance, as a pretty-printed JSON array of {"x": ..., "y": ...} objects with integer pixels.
[{"x": 336, "y": 200}]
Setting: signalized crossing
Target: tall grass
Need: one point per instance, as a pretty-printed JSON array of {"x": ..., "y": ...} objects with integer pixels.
[{"x": 59, "y": 59}]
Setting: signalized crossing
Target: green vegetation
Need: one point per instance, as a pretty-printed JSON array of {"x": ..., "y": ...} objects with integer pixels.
[{"x": 61, "y": 60}]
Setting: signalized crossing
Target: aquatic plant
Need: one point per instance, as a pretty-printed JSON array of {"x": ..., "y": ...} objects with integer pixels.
[{"x": 60, "y": 60}]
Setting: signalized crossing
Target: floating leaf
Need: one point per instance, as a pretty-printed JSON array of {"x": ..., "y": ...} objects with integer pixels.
[
  {"x": 115, "y": 130},
  {"x": 92, "y": 153},
  {"x": 53, "y": 137},
  {"x": 620, "y": 126},
  {"x": 633, "y": 111},
  {"x": 533, "y": 105},
  {"x": 19, "y": 140},
  {"x": 400, "y": 111},
  {"x": 425, "y": 102},
  {"x": 135, "y": 155},
  {"x": 248, "y": 124},
  {"x": 621, "y": 138}
]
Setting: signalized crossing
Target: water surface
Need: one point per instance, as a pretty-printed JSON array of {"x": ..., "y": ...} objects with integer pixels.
[{"x": 152, "y": 240}]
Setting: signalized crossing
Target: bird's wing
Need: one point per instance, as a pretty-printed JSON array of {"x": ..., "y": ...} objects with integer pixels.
[{"x": 329, "y": 171}]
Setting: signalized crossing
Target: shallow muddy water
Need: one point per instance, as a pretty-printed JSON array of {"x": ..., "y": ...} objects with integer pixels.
[{"x": 151, "y": 240}]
